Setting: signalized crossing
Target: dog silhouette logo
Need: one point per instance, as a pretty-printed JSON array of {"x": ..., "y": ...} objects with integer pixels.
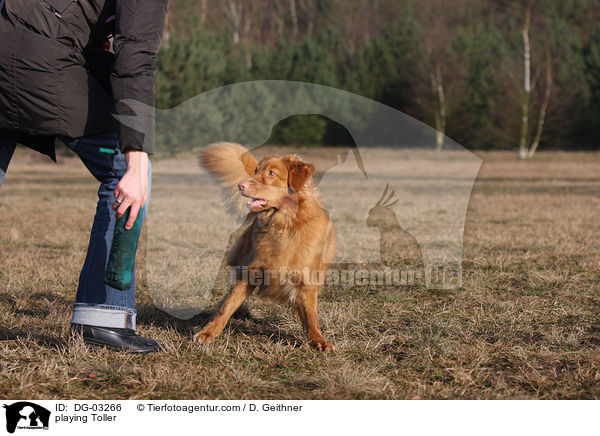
[{"x": 26, "y": 415}]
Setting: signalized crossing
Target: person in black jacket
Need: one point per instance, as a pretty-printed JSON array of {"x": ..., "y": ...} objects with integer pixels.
[{"x": 58, "y": 80}]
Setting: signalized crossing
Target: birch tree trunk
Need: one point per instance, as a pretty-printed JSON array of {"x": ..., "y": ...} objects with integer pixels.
[
  {"x": 437, "y": 87},
  {"x": 523, "y": 152},
  {"x": 167, "y": 32},
  {"x": 543, "y": 109},
  {"x": 234, "y": 11},
  {"x": 526, "y": 150}
]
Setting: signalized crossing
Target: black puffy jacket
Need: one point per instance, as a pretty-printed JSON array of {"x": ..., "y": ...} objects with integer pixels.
[{"x": 56, "y": 79}]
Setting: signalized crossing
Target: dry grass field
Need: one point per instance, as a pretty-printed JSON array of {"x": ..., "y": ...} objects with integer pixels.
[{"x": 524, "y": 324}]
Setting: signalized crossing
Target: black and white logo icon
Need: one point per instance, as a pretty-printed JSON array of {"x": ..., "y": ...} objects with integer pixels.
[{"x": 26, "y": 415}]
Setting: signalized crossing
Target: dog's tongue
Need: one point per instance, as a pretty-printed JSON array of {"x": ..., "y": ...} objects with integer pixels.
[{"x": 256, "y": 203}]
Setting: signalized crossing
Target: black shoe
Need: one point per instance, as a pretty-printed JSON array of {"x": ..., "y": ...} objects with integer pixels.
[{"x": 118, "y": 339}]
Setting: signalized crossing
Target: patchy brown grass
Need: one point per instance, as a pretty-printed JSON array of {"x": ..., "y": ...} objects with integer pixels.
[{"x": 525, "y": 324}]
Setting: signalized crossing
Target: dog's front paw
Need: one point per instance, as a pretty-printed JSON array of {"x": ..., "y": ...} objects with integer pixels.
[
  {"x": 322, "y": 345},
  {"x": 205, "y": 335}
]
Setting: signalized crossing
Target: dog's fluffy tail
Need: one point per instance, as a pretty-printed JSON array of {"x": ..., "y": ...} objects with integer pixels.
[{"x": 229, "y": 164}]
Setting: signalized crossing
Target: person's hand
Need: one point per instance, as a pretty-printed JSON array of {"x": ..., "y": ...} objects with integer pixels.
[{"x": 132, "y": 189}]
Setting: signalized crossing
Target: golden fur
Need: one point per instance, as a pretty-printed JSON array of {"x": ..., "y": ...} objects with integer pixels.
[{"x": 288, "y": 242}]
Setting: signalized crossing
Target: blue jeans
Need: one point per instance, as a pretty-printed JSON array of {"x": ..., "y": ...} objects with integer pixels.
[{"x": 96, "y": 303}]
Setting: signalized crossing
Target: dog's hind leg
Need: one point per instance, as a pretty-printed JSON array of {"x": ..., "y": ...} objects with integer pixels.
[
  {"x": 305, "y": 307},
  {"x": 228, "y": 306}
]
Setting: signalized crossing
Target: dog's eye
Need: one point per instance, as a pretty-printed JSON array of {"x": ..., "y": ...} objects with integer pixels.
[{"x": 271, "y": 173}]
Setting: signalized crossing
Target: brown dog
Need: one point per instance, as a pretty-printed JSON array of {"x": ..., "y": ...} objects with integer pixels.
[{"x": 288, "y": 242}]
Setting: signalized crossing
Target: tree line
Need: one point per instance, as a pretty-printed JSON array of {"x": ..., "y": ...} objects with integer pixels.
[{"x": 490, "y": 74}]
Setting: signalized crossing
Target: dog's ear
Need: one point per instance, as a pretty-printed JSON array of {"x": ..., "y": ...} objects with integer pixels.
[
  {"x": 298, "y": 172},
  {"x": 250, "y": 163}
]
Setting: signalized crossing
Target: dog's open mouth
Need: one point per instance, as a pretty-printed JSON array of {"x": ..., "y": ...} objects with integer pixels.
[{"x": 256, "y": 203}]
